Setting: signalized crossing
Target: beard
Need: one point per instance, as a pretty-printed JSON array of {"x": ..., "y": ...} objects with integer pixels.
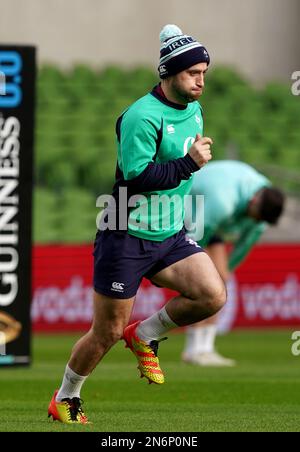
[{"x": 183, "y": 94}]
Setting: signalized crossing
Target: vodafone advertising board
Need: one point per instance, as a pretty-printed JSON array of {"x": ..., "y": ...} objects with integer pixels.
[{"x": 264, "y": 292}]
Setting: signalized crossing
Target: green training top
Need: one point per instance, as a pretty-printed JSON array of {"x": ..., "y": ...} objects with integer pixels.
[
  {"x": 227, "y": 186},
  {"x": 156, "y": 130}
]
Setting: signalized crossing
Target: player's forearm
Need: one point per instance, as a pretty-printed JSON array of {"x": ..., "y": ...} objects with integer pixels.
[{"x": 163, "y": 176}]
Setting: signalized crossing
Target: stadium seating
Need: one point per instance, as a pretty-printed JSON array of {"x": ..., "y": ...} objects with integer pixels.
[{"x": 75, "y": 137}]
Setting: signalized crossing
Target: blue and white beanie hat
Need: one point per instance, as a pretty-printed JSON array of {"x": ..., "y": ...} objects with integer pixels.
[{"x": 179, "y": 52}]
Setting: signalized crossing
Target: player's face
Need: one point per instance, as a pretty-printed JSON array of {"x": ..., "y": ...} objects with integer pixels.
[
  {"x": 254, "y": 208},
  {"x": 188, "y": 85}
]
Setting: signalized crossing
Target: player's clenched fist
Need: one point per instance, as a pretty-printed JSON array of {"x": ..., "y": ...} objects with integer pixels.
[{"x": 200, "y": 150}]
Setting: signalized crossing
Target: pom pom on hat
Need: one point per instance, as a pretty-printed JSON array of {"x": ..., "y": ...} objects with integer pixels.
[{"x": 169, "y": 31}]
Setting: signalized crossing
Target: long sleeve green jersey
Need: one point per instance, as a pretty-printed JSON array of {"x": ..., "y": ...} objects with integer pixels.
[{"x": 154, "y": 136}]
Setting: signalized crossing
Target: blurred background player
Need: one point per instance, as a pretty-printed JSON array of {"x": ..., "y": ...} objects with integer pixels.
[{"x": 239, "y": 202}]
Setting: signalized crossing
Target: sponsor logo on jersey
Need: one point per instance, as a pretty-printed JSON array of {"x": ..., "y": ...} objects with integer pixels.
[{"x": 170, "y": 128}]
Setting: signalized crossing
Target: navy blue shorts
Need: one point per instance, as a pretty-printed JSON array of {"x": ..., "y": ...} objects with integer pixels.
[{"x": 122, "y": 260}]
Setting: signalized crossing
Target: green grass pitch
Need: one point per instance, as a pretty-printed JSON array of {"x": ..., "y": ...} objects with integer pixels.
[{"x": 261, "y": 394}]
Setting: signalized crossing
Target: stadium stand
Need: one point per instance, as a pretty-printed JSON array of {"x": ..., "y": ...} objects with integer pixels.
[{"x": 75, "y": 137}]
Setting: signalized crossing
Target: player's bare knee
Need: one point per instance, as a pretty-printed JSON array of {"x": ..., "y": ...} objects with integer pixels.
[
  {"x": 220, "y": 298},
  {"x": 214, "y": 297},
  {"x": 108, "y": 337},
  {"x": 113, "y": 336}
]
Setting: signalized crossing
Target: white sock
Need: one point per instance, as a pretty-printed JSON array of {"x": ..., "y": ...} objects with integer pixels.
[
  {"x": 71, "y": 385},
  {"x": 190, "y": 340},
  {"x": 209, "y": 344},
  {"x": 155, "y": 326},
  {"x": 200, "y": 339}
]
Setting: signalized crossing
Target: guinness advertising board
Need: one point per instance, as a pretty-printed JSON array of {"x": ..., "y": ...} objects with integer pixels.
[{"x": 17, "y": 101}]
